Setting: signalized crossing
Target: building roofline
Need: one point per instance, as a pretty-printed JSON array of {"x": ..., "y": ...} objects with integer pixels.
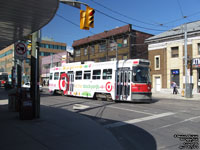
[
  {"x": 177, "y": 32},
  {"x": 105, "y": 34}
]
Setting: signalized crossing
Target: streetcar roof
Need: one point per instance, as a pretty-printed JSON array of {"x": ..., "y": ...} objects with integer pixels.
[{"x": 91, "y": 64}]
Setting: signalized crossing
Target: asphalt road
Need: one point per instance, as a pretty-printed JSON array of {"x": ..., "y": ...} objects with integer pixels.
[{"x": 165, "y": 124}]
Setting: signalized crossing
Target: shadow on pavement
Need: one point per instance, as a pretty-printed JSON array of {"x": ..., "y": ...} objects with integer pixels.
[
  {"x": 61, "y": 129},
  {"x": 3, "y": 94},
  {"x": 131, "y": 137}
]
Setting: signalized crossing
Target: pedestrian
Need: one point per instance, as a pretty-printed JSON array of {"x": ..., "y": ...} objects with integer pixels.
[{"x": 174, "y": 86}]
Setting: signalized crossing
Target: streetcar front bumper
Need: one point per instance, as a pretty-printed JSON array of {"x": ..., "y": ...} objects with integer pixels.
[{"x": 141, "y": 97}]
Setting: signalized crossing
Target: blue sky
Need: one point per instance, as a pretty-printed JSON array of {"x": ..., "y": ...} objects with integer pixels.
[{"x": 147, "y": 14}]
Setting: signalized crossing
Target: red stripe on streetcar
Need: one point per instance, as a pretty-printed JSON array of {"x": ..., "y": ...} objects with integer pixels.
[{"x": 141, "y": 87}]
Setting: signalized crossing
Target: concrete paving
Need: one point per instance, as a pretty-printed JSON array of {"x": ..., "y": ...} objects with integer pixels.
[
  {"x": 168, "y": 95},
  {"x": 57, "y": 129}
]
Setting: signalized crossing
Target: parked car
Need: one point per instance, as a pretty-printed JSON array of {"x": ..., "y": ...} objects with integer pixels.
[{"x": 28, "y": 85}]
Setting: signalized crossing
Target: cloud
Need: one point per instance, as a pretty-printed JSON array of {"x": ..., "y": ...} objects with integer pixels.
[{"x": 70, "y": 49}]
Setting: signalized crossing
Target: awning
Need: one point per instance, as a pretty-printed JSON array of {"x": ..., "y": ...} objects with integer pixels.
[{"x": 19, "y": 18}]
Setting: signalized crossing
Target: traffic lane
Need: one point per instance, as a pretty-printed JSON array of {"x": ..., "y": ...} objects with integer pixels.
[
  {"x": 102, "y": 111},
  {"x": 115, "y": 111},
  {"x": 162, "y": 128},
  {"x": 133, "y": 141}
]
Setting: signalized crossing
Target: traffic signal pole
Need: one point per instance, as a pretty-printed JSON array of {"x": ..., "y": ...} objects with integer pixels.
[{"x": 35, "y": 93}]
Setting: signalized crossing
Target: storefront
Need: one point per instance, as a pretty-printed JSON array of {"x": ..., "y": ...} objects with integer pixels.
[
  {"x": 196, "y": 65},
  {"x": 175, "y": 77}
]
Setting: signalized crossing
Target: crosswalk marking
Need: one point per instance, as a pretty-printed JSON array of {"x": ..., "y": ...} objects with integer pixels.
[{"x": 117, "y": 124}]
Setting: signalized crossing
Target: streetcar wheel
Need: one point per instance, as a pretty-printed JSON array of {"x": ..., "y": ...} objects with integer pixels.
[{"x": 62, "y": 93}]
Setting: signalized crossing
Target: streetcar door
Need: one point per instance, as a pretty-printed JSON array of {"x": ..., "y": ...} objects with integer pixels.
[
  {"x": 71, "y": 80},
  {"x": 123, "y": 84}
]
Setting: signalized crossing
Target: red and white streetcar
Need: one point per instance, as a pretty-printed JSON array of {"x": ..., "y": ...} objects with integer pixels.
[{"x": 124, "y": 80}]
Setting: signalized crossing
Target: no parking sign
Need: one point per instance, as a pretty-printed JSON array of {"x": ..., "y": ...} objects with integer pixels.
[{"x": 20, "y": 50}]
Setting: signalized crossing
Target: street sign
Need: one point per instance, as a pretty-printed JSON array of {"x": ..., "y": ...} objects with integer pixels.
[{"x": 20, "y": 50}]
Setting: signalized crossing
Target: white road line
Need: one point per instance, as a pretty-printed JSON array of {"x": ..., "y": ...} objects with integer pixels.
[
  {"x": 123, "y": 109},
  {"x": 189, "y": 119},
  {"x": 117, "y": 124},
  {"x": 80, "y": 107},
  {"x": 130, "y": 110}
]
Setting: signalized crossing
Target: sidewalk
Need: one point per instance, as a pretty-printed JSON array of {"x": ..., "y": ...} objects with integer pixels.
[
  {"x": 57, "y": 129},
  {"x": 168, "y": 95}
]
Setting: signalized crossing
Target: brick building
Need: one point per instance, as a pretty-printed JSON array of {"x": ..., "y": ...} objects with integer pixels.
[
  {"x": 102, "y": 47},
  {"x": 166, "y": 53}
]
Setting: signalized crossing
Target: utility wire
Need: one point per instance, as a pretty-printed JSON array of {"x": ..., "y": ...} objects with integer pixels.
[
  {"x": 180, "y": 8},
  {"x": 127, "y": 22},
  {"x": 116, "y": 12}
]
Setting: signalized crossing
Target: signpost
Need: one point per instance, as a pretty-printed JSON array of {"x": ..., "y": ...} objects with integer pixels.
[{"x": 20, "y": 51}]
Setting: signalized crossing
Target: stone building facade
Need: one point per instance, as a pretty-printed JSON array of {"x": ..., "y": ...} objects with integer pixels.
[{"x": 167, "y": 57}]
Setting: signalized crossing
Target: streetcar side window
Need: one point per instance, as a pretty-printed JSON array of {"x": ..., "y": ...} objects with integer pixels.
[
  {"x": 51, "y": 76},
  {"x": 87, "y": 75},
  {"x": 56, "y": 75},
  {"x": 78, "y": 75},
  {"x": 62, "y": 77},
  {"x": 96, "y": 74},
  {"x": 107, "y": 74}
]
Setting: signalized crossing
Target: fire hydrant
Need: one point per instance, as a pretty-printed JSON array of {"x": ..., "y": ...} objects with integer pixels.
[{"x": 182, "y": 93}]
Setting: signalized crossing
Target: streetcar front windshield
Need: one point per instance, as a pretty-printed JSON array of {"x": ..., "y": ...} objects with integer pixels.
[
  {"x": 141, "y": 74},
  {"x": 4, "y": 77}
]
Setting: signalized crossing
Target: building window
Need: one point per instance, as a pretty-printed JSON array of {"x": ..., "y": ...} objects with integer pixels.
[
  {"x": 125, "y": 57},
  {"x": 113, "y": 45},
  {"x": 26, "y": 69},
  {"x": 112, "y": 58},
  {"x": 85, "y": 51},
  {"x": 50, "y": 46},
  {"x": 92, "y": 50},
  {"x": 157, "y": 62},
  {"x": 47, "y": 46},
  {"x": 102, "y": 59},
  {"x": 102, "y": 47},
  {"x": 28, "y": 60},
  {"x": 125, "y": 42},
  {"x": 78, "y": 52},
  {"x": 96, "y": 74},
  {"x": 198, "y": 46},
  {"x": 63, "y": 47},
  {"x": 55, "y": 46},
  {"x": 175, "y": 76},
  {"x": 174, "y": 52}
]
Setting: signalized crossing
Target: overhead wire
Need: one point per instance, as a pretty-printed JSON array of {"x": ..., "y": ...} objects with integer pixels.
[
  {"x": 114, "y": 18},
  {"x": 180, "y": 8},
  {"x": 116, "y": 12}
]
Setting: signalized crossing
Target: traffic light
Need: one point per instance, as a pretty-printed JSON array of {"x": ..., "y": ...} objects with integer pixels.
[
  {"x": 89, "y": 17},
  {"x": 83, "y": 20}
]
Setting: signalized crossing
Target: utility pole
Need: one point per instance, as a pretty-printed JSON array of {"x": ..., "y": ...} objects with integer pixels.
[
  {"x": 116, "y": 75},
  {"x": 51, "y": 61},
  {"x": 35, "y": 93},
  {"x": 185, "y": 44},
  {"x": 188, "y": 89}
]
